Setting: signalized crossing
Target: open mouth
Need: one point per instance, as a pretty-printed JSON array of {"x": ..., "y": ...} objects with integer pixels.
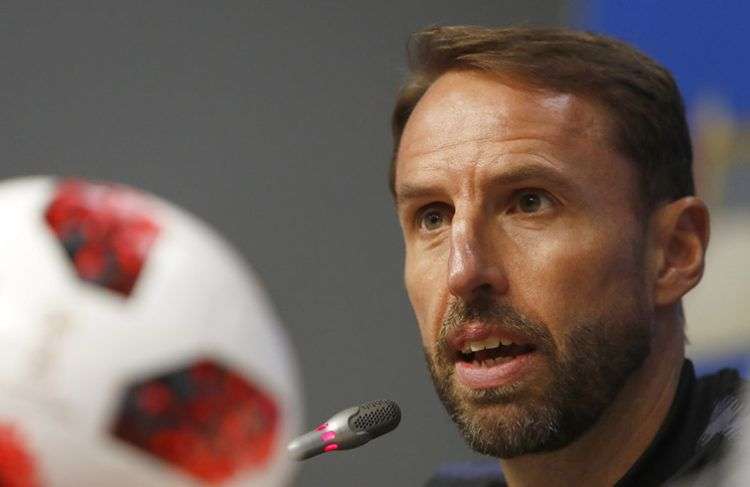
[
  {"x": 492, "y": 351},
  {"x": 487, "y": 357}
]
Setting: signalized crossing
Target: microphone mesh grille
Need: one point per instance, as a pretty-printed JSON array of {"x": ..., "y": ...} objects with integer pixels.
[{"x": 377, "y": 413}]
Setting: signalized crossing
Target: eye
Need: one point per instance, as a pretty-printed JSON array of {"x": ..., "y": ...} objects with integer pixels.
[
  {"x": 532, "y": 201},
  {"x": 432, "y": 218}
]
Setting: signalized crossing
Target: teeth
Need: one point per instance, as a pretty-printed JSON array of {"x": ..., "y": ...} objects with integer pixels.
[
  {"x": 487, "y": 344},
  {"x": 489, "y": 362},
  {"x": 506, "y": 342}
]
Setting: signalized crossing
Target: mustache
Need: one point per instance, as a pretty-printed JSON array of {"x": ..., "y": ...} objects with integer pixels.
[{"x": 494, "y": 314}]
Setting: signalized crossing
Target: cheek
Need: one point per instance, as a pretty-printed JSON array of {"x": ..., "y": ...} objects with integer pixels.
[
  {"x": 425, "y": 285},
  {"x": 607, "y": 271},
  {"x": 578, "y": 277}
]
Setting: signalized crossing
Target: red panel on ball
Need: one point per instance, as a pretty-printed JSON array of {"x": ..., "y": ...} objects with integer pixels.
[
  {"x": 17, "y": 466},
  {"x": 107, "y": 231},
  {"x": 205, "y": 419}
]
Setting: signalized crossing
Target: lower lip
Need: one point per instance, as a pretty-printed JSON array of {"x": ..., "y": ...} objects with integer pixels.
[{"x": 476, "y": 376}]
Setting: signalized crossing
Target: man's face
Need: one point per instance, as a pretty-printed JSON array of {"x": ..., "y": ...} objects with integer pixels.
[{"x": 522, "y": 238}]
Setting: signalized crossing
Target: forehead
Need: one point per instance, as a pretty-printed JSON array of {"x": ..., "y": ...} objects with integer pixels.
[{"x": 466, "y": 113}]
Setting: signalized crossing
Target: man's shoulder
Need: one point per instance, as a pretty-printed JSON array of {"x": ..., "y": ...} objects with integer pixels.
[
  {"x": 695, "y": 436},
  {"x": 717, "y": 397},
  {"x": 727, "y": 381},
  {"x": 480, "y": 473},
  {"x": 721, "y": 396}
]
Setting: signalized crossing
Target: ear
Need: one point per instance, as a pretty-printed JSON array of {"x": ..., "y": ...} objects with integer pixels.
[{"x": 681, "y": 231}]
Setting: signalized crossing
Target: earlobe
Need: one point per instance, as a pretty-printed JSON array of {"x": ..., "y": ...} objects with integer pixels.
[{"x": 682, "y": 231}]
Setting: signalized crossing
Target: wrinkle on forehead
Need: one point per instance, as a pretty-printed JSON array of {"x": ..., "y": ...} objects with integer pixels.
[
  {"x": 458, "y": 109},
  {"x": 423, "y": 168}
]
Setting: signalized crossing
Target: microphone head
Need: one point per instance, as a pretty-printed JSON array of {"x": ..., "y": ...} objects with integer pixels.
[
  {"x": 347, "y": 429},
  {"x": 376, "y": 417}
]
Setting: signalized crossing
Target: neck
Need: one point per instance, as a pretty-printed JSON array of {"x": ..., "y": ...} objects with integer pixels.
[{"x": 602, "y": 455}]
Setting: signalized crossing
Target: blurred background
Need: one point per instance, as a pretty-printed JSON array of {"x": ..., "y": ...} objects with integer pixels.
[{"x": 270, "y": 120}]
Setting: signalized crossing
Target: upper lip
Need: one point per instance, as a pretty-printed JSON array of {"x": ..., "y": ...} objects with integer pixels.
[{"x": 476, "y": 332}]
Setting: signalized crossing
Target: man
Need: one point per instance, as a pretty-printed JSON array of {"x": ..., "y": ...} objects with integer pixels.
[{"x": 542, "y": 179}]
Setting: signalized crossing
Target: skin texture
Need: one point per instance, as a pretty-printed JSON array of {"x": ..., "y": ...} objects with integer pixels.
[{"x": 516, "y": 199}]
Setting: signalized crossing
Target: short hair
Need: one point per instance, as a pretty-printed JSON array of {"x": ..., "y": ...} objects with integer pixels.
[{"x": 639, "y": 95}]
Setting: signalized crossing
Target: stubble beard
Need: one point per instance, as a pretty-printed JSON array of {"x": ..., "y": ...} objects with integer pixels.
[{"x": 586, "y": 373}]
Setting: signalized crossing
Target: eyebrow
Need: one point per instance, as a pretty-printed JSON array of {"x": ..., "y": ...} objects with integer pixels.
[{"x": 408, "y": 191}]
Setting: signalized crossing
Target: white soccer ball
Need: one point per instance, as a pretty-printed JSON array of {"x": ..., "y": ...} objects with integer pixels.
[{"x": 136, "y": 347}]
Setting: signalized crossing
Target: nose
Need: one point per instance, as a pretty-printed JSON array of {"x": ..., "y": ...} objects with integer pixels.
[{"x": 474, "y": 268}]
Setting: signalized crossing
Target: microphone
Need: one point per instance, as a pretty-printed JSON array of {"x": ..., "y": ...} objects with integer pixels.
[{"x": 347, "y": 429}]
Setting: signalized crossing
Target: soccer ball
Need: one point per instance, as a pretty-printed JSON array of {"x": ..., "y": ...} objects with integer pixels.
[{"x": 136, "y": 347}]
